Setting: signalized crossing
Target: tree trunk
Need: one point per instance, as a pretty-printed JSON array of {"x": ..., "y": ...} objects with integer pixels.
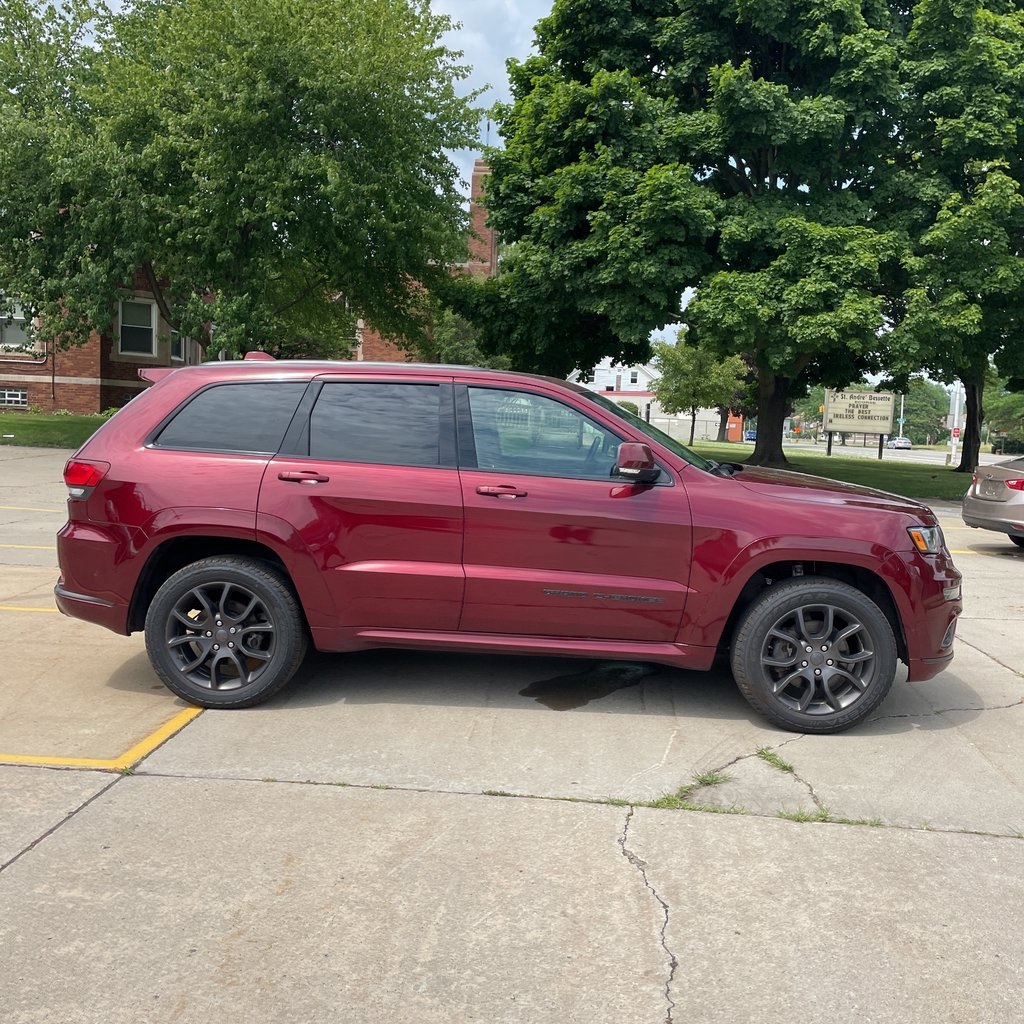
[
  {"x": 723, "y": 424},
  {"x": 693, "y": 424},
  {"x": 973, "y": 416},
  {"x": 772, "y": 402}
]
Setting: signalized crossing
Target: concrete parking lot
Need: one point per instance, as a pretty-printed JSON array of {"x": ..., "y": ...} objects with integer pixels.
[{"x": 466, "y": 838}]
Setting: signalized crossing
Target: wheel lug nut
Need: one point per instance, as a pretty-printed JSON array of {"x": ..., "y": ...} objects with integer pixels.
[
  {"x": 216, "y": 647},
  {"x": 803, "y": 664},
  {"x": 231, "y": 645},
  {"x": 208, "y": 633},
  {"x": 824, "y": 647},
  {"x": 830, "y": 662},
  {"x": 817, "y": 671},
  {"x": 231, "y": 630}
]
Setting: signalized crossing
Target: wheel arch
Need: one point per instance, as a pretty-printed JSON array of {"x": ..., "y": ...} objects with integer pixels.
[
  {"x": 865, "y": 580},
  {"x": 177, "y": 552}
]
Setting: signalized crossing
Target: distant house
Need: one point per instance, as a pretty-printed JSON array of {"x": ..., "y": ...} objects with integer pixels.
[{"x": 633, "y": 384}]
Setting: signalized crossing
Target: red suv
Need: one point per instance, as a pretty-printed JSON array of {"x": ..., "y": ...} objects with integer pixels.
[{"x": 236, "y": 510}]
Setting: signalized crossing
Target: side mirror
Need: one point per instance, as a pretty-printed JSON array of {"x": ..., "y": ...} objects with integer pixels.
[{"x": 635, "y": 462}]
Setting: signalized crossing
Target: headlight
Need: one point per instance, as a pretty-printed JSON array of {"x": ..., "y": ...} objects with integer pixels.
[{"x": 927, "y": 539}]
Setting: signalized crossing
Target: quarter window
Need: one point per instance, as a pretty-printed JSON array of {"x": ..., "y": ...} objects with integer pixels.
[
  {"x": 138, "y": 328},
  {"x": 520, "y": 432},
  {"x": 388, "y": 424},
  {"x": 248, "y": 418}
]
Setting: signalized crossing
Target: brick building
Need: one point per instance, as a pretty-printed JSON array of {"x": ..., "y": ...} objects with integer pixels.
[
  {"x": 101, "y": 374},
  {"x": 104, "y": 372}
]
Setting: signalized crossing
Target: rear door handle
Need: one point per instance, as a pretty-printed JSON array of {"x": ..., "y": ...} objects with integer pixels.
[
  {"x": 501, "y": 491},
  {"x": 304, "y": 476}
]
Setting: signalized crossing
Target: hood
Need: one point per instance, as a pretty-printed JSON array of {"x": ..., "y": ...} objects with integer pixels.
[{"x": 802, "y": 487}]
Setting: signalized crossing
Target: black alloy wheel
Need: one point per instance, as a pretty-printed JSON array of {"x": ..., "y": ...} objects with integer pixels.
[
  {"x": 225, "y": 632},
  {"x": 814, "y": 655}
]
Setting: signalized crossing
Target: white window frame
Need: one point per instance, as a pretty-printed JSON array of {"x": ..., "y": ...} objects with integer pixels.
[
  {"x": 132, "y": 353},
  {"x": 182, "y": 343},
  {"x": 13, "y": 398},
  {"x": 16, "y": 316}
]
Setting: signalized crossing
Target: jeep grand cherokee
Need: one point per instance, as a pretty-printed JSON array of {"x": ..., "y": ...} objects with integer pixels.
[{"x": 236, "y": 511}]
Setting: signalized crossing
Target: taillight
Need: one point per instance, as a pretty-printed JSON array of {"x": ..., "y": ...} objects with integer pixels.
[
  {"x": 1015, "y": 485},
  {"x": 81, "y": 477}
]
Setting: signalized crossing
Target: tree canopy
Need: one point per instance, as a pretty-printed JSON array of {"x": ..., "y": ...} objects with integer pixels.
[
  {"x": 692, "y": 378},
  {"x": 796, "y": 171},
  {"x": 274, "y": 169}
]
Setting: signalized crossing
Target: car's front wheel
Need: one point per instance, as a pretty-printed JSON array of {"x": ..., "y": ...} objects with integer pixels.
[
  {"x": 814, "y": 655},
  {"x": 225, "y": 632}
]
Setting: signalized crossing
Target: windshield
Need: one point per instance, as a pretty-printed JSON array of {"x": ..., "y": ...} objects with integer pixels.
[{"x": 659, "y": 435}]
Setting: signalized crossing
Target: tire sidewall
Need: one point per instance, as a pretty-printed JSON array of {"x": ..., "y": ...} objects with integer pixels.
[
  {"x": 786, "y": 597},
  {"x": 281, "y": 604}
]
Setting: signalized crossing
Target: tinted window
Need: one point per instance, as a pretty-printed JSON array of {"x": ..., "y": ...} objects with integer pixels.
[
  {"x": 234, "y": 418},
  {"x": 520, "y": 432},
  {"x": 393, "y": 424}
]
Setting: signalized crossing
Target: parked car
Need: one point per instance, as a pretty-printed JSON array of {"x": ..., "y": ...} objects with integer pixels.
[
  {"x": 236, "y": 511},
  {"x": 995, "y": 500},
  {"x": 898, "y": 442},
  {"x": 749, "y": 435}
]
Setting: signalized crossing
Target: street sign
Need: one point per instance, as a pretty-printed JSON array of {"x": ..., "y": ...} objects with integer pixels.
[
  {"x": 868, "y": 412},
  {"x": 955, "y": 431}
]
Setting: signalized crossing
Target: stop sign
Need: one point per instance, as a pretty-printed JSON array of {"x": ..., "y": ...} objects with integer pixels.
[{"x": 955, "y": 431}]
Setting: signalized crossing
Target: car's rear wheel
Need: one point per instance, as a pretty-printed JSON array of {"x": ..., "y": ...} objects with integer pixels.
[
  {"x": 814, "y": 655},
  {"x": 1019, "y": 541},
  {"x": 225, "y": 632}
]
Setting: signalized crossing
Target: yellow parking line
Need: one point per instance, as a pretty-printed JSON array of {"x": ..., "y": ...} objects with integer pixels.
[
  {"x": 31, "y": 547},
  {"x": 27, "y": 508},
  {"x": 24, "y": 608},
  {"x": 115, "y": 764}
]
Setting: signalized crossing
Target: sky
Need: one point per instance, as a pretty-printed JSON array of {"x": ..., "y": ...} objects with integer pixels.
[{"x": 491, "y": 32}]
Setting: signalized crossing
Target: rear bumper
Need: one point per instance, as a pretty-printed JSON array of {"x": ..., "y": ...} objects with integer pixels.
[
  {"x": 983, "y": 522},
  {"x": 91, "y": 609}
]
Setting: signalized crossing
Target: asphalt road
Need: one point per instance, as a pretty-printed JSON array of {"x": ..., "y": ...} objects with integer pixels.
[{"x": 439, "y": 838}]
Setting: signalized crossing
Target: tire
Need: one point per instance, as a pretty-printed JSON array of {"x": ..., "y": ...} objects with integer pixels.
[
  {"x": 225, "y": 632},
  {"x": 1019, "y": 541},
  {"x": 814, "y": 655}
]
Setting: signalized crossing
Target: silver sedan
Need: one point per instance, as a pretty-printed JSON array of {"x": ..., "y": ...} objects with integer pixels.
[{"x": 996, "y": 499}]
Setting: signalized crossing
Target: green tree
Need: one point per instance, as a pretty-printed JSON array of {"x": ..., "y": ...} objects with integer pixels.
[
  {"x": 450, "y": 338},
  {"x": 692, "y": 378},
  {"x": 666, "y": 144},
  {"x": 273, "y": 169},
  {"x": 960, "y": 184}
]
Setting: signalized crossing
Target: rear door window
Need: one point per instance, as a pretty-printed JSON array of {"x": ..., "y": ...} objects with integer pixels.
[{"x": 389, "y": 424}]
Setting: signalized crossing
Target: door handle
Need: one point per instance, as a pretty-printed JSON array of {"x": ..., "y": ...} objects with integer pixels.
[
  {"x": 305, "y": 476},
  {"x": 501, "y": 491}
]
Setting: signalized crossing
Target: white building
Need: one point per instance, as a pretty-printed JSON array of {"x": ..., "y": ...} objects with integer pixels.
[{"x": 633, "y": 384}]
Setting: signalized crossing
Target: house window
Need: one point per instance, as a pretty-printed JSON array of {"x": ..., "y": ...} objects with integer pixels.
[
  {"x": 15, "y": 332},
  {"x": 17, "y": 397},
  {"x": 634, "y": 376},
  {"x": 138, "y": 330},
  {"x": 177, "y": 347}
]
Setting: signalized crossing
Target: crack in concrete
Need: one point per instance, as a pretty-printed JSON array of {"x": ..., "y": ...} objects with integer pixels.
[
  {"x": 63, "y": 821},
  {"x": 946, "y": 711},
  {"x": 641, "y": 865},
  {"x": 991, "y": 657}
]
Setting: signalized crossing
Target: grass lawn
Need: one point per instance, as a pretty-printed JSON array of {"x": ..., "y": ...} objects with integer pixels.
[
  {"x": 37, "y": 430},
  {"x": 910, "y": 479}
]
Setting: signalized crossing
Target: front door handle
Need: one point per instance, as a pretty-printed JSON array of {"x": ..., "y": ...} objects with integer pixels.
[
  {"x": 305, "y": 476},
  {"x": 501, "y": 491}
]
